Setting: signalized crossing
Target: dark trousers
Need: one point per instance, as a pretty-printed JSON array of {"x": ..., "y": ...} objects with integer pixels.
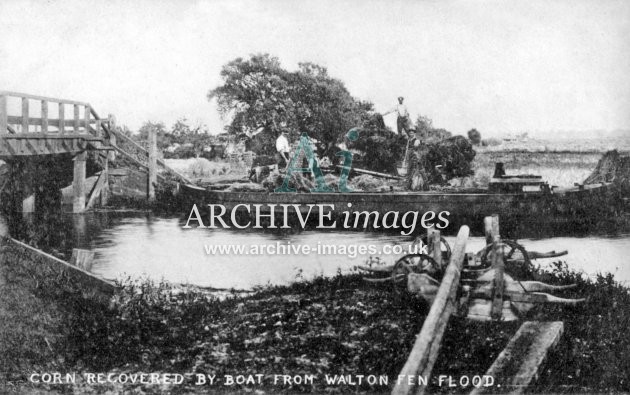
[{"x": 402, "y": 124}]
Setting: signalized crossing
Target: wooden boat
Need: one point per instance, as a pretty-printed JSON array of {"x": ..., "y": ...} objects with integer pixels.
[{"x": 526, "y": 200}]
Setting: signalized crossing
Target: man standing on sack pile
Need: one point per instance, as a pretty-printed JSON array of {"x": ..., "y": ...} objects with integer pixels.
[{"x": 402, "y": 122}]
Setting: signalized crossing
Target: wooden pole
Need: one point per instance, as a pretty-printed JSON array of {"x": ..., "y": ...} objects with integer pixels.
[
  {"x": 25, "y": 114},
  {"x": 87, "y": 119},
  {"x": 76, "y": 118},
  {"x": 435, "y": 244},
  {"x": 44, "y": 116},
  {"x": 62, "y": 119},
  {"x": 78, "y": 183},
  {"x": 152, "y": 163},
  {"x": 425, "y": 349},
  {"x": 3, "y": 114}
]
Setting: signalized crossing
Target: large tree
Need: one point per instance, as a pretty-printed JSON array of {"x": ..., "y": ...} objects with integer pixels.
[{"x": 261, "y": 96}]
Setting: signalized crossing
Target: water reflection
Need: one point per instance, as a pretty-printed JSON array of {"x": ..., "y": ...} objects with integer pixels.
[{"x": 143, "y": 245}]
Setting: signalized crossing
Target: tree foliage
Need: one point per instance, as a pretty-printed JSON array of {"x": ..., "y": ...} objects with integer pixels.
[
  {"x": 474, "y": 136},
  {"x": 261, "y": 96}
]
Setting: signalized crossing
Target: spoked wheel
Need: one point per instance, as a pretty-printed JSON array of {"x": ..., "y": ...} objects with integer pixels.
[
  {"x": 444, "y": 246},
  {"x": 412, "y": 263},
  {"x": 512, "y": 253}
]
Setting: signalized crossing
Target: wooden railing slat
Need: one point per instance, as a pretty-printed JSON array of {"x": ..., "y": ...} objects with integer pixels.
[
  {"x": 62, "y": 121},
  {"x": 25, "y": 114},
  {"x": 44, "y": 98},
  {"x": 44, "y": 116},
  {"x": 76, "y": 118}
]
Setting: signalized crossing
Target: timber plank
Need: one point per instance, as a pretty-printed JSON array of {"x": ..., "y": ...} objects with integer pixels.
[{"x": 518, "y": 364}]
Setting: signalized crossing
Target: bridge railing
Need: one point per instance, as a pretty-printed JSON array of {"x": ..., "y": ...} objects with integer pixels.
[
  {"x": 72, "y": 116},
  {"x": 84, "y": 120}
]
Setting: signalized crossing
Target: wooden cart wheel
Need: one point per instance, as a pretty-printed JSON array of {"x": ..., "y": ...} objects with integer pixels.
[
  {"x": 444, "y": 246},
  {"x": 513, "y": 253},
  {"x": 412, "y": 263}
]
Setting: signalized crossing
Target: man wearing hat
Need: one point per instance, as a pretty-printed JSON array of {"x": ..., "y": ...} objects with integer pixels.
[{"x": 402, "y": 122}]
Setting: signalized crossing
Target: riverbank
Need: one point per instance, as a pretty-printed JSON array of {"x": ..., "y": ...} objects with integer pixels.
[{"x": 327, "y": 326}]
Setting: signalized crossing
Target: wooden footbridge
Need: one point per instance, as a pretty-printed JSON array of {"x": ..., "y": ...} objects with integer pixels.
[{"x": 35, "y": 125}]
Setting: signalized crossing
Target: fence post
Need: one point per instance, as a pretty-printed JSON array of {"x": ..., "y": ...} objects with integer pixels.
[
  {"x": 152, "y": 163},
  {"x": 3, "y": 114}
]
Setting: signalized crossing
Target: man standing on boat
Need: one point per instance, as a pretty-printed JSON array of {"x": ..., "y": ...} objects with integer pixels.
[
  {"x": 283, "y": 149},
  {"x": 402, "y": 122}
]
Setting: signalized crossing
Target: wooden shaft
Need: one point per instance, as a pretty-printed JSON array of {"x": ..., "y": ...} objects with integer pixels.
[
  {"x": 425, "y": 349},
  {"x": 435, "y": 243},
  {"x": 25, "y": 115},
  {"x": 498, "y": 265},
  {"x": 496, "y": 234},
  {"x": 62, "y": 119},
  {"x": 487, "y": 229},
  {"x": 44, "y": 116}
]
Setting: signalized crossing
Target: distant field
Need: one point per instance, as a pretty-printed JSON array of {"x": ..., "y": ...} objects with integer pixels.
[
  {"x": 580, "y": 145},
  {"x": 561, "y": 169}
]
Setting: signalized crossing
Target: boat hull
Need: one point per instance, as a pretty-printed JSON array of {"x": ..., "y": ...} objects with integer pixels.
[{"x": 573, "y": 205}]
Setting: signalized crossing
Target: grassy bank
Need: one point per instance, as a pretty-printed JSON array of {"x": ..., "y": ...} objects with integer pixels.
[{"x": 333, "y": 326}]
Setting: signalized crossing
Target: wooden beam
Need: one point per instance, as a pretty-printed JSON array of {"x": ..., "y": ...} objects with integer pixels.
[
  {"x": 34, "y": 97},
  {"x": 62, "y": 121},
  {"x": 14, "y": 120},
  {"x": 76, "y": 118},
  {"x": 3, "y": 114},
  {"x": 518, "y": 364},
  {"x": 425, "y": 350},
  {"x": 435, "y": 244},
  {"x": 86, "y": 117},
  {"x": 25, "y": 115},
  {"x": 78, "y": 183},
  {"x": 498, "y": 265},
  {"x": 96, "y": 190},
  {"x": 44, "y": 116},
  {"x": 82, "y": 259}
]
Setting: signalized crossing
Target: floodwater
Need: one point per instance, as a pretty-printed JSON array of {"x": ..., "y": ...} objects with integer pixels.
[{"x": 146, "y": 246}]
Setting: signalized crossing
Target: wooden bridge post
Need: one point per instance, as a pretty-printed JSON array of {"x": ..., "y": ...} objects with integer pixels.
[
  {"x": 152, "y": 163},
  {"x": 25, "y": 114},
  {"x": 78, "y": 183},
  {"x": 62, "y": 119},
  {"x": 44, "y": 116}
]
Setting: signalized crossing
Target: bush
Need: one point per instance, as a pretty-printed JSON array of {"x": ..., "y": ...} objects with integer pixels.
[{"x": 474, "y": 136}]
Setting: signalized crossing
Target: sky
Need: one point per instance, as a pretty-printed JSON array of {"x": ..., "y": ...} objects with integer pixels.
[{"x": 498, "y": 66}]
